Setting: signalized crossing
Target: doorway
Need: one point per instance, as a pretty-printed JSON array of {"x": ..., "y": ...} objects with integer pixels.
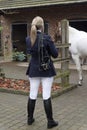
[
  {"x": 80, "y": 25},
  {"x": 19, "y": 33}
]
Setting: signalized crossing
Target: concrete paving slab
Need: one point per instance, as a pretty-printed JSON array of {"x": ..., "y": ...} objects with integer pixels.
[{"x": 70, "y": 109}]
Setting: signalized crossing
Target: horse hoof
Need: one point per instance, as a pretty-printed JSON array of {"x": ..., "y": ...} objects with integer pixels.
[{"x": 80, "y": 84}]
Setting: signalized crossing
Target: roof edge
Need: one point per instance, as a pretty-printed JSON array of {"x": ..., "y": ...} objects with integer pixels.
[{"x": 44, "y": 4}]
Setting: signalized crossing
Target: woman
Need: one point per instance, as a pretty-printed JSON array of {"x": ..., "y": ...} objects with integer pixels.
[{"x": 37, "y": 76}]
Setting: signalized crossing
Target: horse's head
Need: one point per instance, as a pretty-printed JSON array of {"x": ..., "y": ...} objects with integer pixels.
[{"x": 57, "y": 35}]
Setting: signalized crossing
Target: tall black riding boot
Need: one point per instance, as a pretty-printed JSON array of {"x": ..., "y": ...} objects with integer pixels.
[
  {"x": 30, "y": 111},
  {"x": 48, "y": 109}
]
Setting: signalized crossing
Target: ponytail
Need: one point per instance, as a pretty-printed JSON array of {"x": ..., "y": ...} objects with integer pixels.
[
  {"x": 33, "y": 34},
  {"x": 37, "y": 23}
]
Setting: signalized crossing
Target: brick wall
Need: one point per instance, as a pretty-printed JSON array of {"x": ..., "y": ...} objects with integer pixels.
[{"x": 50, "y": 14}]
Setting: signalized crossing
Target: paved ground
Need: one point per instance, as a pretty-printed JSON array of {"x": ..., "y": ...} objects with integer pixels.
[{"x": 70, "y": 109}]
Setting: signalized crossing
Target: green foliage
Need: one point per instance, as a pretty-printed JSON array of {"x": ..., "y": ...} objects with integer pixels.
[
  {"x": 1, "y": 28},
  {"x": 28, "y": 57},
  {"x": 18, "y": 56}
]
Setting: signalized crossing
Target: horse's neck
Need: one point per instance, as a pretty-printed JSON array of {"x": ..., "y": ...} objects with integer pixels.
[
  {"x": 73, "y": 31},
  {"x": 73, "y": 34}
]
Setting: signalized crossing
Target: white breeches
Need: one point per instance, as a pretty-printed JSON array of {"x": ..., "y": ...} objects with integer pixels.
[{"x": 46, "y": 86}]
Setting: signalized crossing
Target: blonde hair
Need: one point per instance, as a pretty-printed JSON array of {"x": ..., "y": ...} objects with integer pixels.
[{"x": 37, "y": 23}]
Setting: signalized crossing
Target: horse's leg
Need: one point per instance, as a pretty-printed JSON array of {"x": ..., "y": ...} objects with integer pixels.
[{"x": 79, "y": 67}]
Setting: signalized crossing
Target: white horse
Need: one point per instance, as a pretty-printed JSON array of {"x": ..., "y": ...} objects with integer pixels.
[{"x": 78, "y": 48}]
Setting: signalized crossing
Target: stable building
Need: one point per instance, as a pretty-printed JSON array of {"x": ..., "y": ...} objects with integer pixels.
[{"x": 16, "y": 17}]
